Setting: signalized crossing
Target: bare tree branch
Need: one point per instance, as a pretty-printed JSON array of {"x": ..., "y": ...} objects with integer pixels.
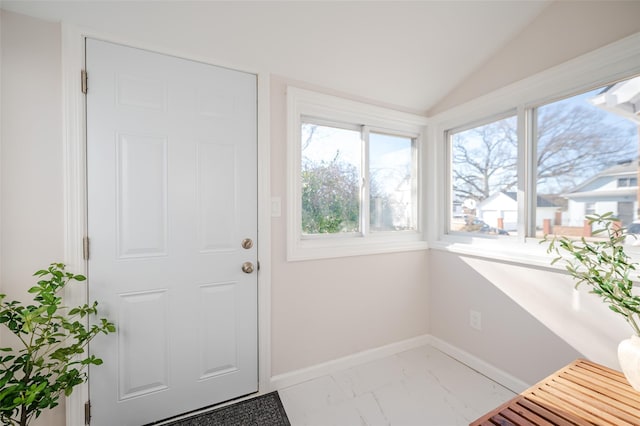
[{"x": 573, "y": 144}]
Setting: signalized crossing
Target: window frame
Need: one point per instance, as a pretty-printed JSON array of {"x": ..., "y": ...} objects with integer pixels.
[
  {"x": 621, "y": 59},
  {"x": 322, "y": 108},
  {"x": 449, "y": 161}
]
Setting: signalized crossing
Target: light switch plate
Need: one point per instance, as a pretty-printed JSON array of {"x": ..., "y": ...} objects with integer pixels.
[{"x": 276, "y": 207}]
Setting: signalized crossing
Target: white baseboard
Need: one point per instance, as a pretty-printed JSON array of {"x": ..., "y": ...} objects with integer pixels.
[
  {"x": 298, "y": 376},
  {"x": 505, "y": 379}
]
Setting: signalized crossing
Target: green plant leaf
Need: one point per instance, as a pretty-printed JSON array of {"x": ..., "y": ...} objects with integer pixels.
[
  {"x": 38, "y": 372},
  {"x": 602, "y": 264}
]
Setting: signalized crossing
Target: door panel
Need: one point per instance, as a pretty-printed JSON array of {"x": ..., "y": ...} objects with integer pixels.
[
  {"x": 216, "y": 187},
  {"x": 172, "y": 192},
  {"x": 218, "y": 355},
  {"x": 141, "y": 198},
  {"x": 137, "y": 345}
]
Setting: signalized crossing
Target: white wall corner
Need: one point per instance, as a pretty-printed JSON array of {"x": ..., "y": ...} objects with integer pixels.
[
  {"x": 284, "y": 380},
  {"x": 492, "y": 372},
  {"x": 499, "y": 376}
]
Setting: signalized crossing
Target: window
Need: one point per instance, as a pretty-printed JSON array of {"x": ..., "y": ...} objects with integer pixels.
[
  {"x": 584, "y": 156},
  {"x": 393, "y": 182},
  {"x": 576, "y": 127},
  {"x": 331, "y": 179},
  {"x": 562, "y": 154},
  {"x": 484, "y": 177},
  {"x": 624, "y": 182},
  {"x": 586, "y": 152},
  {"x": 334, "y": 179},
  {"x": 354, "y": 178}
]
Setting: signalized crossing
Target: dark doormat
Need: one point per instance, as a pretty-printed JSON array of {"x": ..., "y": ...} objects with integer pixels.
[{"x": 264, "y": 410}]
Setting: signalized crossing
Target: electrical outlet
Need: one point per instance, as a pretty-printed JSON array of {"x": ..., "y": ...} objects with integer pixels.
[{"x": 475, "y": 320}]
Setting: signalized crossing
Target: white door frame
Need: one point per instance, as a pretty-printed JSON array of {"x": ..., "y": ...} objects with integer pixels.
[{"x": 75, "y": 190}]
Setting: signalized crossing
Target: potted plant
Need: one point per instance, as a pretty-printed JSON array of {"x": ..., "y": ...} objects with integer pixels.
[
  {"x": 49, "y": 359},
  {"x": 602, "y": 264}
]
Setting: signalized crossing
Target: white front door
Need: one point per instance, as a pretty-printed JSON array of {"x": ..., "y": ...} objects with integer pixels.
[{"x": 172, "y": 195}]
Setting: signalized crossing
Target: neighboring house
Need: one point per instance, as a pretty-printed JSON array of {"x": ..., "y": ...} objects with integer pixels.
[
  {"x": 612, "y": 190},
  {"x": 505, "y": 205},
  {"x": 622, "y": 99},
  {"x": 499, "y": 205}
]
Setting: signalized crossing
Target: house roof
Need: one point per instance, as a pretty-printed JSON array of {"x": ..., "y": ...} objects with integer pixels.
[
  {"x": 541, "y": 200},
  {"x": 609, "y": 193},
  {"x": 621, "y": 169}
]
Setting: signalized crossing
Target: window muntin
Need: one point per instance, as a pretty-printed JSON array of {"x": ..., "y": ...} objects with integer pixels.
[
  {"x": 586, "y": 153},
  {"x": 484, "y": 178}
]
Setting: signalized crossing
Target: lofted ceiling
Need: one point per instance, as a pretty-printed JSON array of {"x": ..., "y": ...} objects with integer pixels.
[{"x": 403, "y": 54}]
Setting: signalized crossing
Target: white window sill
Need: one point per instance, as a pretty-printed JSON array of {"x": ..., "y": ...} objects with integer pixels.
[
  {"x": 327, "y": 248},
  {"x": 530, "y": 252}
]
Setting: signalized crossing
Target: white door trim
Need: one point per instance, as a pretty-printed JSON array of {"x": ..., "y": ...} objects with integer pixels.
[{"x": 75, "y": 189}]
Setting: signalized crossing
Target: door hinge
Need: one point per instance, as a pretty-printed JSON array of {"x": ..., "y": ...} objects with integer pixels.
[
  {"x": 87, "y": 412},
  {"x": 85, "y": 248},
  {"x": 83, "y": 83}
]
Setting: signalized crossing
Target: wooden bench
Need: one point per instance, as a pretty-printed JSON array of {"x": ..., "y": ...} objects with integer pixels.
[{"x": 582, "y": 393}]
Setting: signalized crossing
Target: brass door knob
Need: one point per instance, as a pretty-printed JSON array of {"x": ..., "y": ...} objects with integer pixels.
[{"x": 247, "y": 267}]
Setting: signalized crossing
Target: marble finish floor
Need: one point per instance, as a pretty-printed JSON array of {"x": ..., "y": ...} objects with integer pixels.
[{"x": 419, "y": 387}]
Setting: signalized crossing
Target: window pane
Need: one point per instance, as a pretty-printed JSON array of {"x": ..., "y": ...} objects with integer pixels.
[
  {"x": 587, "y": 155},
  {"x": 392, "y": 185},
  {"x": 484, "y": 178},
  {"x": 331, "y": 176}
]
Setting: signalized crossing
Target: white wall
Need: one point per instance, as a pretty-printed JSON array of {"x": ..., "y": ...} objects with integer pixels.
[
  {"x": 31, "y": 148},
  {"x": 326, "y": 309},
  {"x": 543, "y": 213},
  {"x": 31, "y": 158},
  {"x": 533, "y": 322}
]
